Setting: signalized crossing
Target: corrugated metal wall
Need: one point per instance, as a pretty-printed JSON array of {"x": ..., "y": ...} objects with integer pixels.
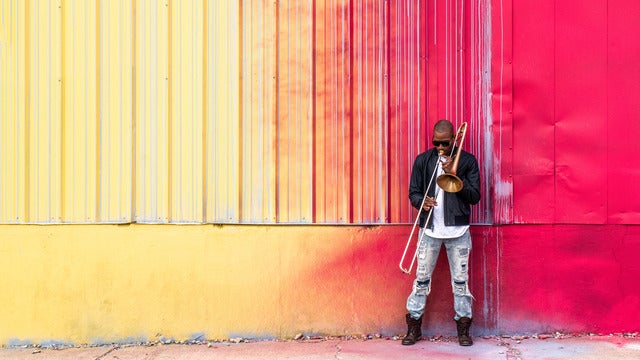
[{"x": 228, "y": 111}]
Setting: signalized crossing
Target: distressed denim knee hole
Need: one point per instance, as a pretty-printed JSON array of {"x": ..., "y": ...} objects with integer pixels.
[
  {"x": 422, "y": 288},
  {"x": 460, "y": 288}
]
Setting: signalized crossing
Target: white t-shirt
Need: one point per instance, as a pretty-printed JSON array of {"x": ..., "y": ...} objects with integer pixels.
[{"x": 441, "y": 231}]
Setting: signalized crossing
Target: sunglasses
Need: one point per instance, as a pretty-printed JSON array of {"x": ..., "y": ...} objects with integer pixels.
[{"x": 445, "y": 143}]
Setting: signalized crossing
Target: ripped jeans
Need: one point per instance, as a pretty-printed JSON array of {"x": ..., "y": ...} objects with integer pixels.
[{"x": 458, "y": 250}]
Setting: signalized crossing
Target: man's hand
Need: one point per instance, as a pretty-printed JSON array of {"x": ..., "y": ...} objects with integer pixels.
[
  {"x": 447, "y": 165},
  {"x": 429, "y": 203}
]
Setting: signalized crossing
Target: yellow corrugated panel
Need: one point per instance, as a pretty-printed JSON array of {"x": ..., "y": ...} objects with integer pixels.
[
  {"x": 158, "y": 111},
  {"x": 44, "y": 121},
  {"x": 81, "y": 118},
  {"x": 258, "y": 193},
  {"x": 267, "y": 70},
  {"x": 223, "y": 182},
  {"x": 66, "y": 105},
  {"x": 115, "y": 138},
  {"x": 12, "y": 115},
  {"x": 152, "y": 111},
  {"x": 186, "y": 104}
]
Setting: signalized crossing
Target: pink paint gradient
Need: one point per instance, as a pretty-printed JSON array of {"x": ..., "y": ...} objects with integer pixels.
[{"x": 525, "y": 279}]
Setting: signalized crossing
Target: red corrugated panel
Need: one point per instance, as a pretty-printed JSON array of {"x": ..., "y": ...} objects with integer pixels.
[
  {"x": 533, "y": 107},
  {"x": 581, "y": 112},
  {"x": 369, "y": 165},
  {"x": 406, "y": 102},
  {"x": 623, "y": 113},
  {"x": 576, "y": 112},
  {"x": 333, "y": 111}
]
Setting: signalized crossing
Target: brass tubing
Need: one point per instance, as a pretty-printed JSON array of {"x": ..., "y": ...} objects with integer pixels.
[{"x": 450, "y": 182}]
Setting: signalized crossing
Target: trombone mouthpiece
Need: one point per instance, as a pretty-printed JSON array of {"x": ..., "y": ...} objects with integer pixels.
[{"x": 441, "y": 152}]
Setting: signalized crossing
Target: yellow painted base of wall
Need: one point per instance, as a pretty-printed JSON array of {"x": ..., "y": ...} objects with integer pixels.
[{"x": 89, "y": 284}]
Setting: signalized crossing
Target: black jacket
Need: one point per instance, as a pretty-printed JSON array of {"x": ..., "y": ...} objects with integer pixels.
[{"x": 457, "y": 206}]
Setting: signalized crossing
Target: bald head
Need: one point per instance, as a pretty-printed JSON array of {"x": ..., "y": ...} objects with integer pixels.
[{"x": 443, "y": 126}]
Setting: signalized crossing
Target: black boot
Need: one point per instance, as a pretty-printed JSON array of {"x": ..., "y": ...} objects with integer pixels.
[
  {"x": 463, "y": 331},
  {"x": 414, "y": 333}
]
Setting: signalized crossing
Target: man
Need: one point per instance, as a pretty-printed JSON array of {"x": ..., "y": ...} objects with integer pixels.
[{"x": 448, "y": 225}]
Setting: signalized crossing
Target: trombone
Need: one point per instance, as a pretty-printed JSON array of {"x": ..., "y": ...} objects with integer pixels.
[{"x": 448, "y": 182}]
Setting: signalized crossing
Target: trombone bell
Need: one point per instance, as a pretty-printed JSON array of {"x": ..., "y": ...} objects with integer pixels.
[{"x": 450, "y": 183}]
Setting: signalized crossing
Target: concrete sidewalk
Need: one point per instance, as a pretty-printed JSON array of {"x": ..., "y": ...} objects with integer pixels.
[{"x": 509, "y": 348}]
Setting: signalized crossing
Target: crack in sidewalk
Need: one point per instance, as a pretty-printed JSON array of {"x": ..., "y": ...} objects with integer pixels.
[{"x": 108, "y": 352}]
